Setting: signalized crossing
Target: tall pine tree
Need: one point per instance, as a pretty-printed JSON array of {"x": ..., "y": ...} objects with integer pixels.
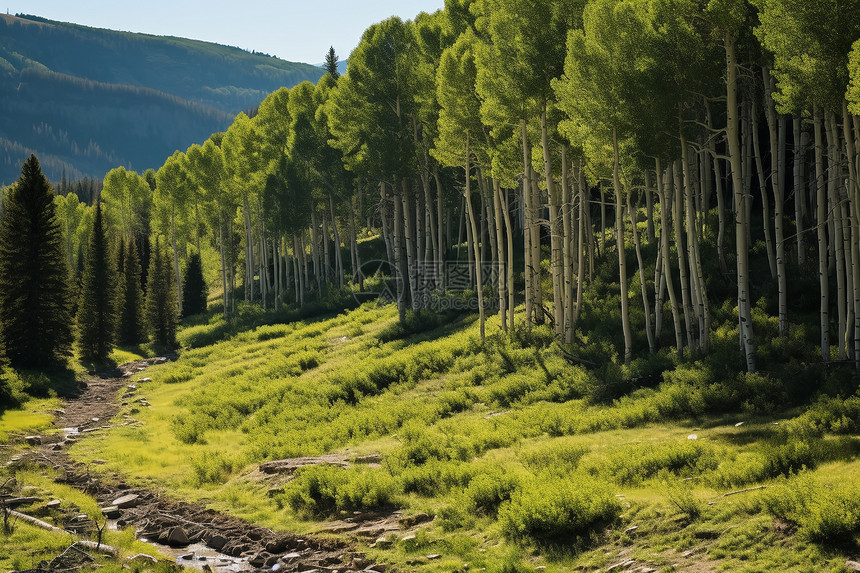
[
  {"x": 194, "y": 291},
  {"x": 162, "y": 307},
  {"x": 331, "y": 63},
  {"x": 131, "y": 329},
  {"x": 35, "y": 317},
  {"x": 97, "y": 312}
]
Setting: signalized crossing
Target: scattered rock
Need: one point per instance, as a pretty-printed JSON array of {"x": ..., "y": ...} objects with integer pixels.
[
  {"x": 631, "y": 529},
  {"x": 692, "y": 437},
  {"x": 174, "y": 537},
  {"x": 382, "y": 543},
  {"x": 216, "y": 542},
  {"x": 54, "y": 504},
  {"x": 145, "y": 380},
  {"x": 378, "y": 567},
  {"x": 433, "y": 556},
  {"x": 852, "y": 565},
  {"x": 127, "y": 501},
  {"x": 739, "y": 424},
  {"x": 622, "y": 565},
  {"x": 143, "y": 557},
  {"x": 111, "y": 512},
  {"x": 413, "y": 520},
  {"x": 33, "y": 440}
]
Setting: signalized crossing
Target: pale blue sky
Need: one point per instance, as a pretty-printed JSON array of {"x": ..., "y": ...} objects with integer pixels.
[{"x": 299, "y": 31}]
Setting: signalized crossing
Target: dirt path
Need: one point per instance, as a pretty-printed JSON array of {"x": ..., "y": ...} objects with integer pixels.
[{"x": 215, "y": 540}]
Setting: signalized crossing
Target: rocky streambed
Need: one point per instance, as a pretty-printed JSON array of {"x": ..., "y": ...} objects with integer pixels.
[{"x": 194, "y": 535}]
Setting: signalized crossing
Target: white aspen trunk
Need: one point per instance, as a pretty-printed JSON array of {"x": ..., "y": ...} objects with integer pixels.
[
  {"x": 581, "y": 245},
  {"x": 778, "y": 226},
  {"x": 765, "y": 202},
  {"x": 854, "y": 218},
  {"x": 476, "y": 248},
  {"x": 509, "y": 231},
  {"x": 567, "y": 247},
  {"x": 386, "y": 228},
  {"x": 501, "y": 258},
  {"x": 338, "y": 256},
  {"x": 799, "y": 159},
  {"x": 718, "y": 190},
  {"x": 821, "y": 216},
  {"x": 643, "y": 284},
  {"x": 409, "y": 244},
  {"x": 696, "y": 273},
  {"x": 622, "y": 262},
  {"x": 398, "y": 277},
  {"x": 555, "y": 231},
  {"x": 249, "y": 250},
  {"x": 678, "y": 220},
  {"x": 440, "y": 228},
  {"x": 665, "y": 209},
  {"x": 527, "y": 226},
  {"x": 315, "y": 251},
  {"x": 838, "y": 228},
  {"x": 537, "y": 273},
  {"x": 741, "y": 221},
  {"x": 175, "y": 260},
  {"x": 649, "y": 211},
  {"x": 326, "y": 251},
  {"x": 224, "y": 283}
]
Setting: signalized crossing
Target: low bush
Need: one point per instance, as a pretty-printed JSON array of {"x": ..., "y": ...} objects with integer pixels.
[
  {"x": 559, "y": 457},
  {"x": 324, "y": 489},
  {"x": 632, "y": 465},
  {"x": 558, "y": 511},
  {"x": 824, "y": 513}
]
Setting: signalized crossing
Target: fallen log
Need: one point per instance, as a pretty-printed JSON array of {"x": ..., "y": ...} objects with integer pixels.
[{"x": 91, "y": 545}]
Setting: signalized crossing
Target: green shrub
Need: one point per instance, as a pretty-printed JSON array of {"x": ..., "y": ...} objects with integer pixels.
[
  {"x": 323, "y": 489},
  {"x": 824, "y": 513},
  {"x": 559, "y": 457},
  {"x": 435, "y": 477},
  {"x": 558, "y": 510},
  {"x": 212, "y": 468},
  {"x": 490, "y": 487},
  {"x": 633, "y": 464}
]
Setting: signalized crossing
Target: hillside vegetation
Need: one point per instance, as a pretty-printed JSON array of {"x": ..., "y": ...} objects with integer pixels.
[
  {"x": 87, "y": 99},
  {"x": 515, "y": 451}
]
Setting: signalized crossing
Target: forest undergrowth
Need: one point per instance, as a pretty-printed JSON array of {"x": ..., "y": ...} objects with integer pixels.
[{"x": 525, "y": 453}]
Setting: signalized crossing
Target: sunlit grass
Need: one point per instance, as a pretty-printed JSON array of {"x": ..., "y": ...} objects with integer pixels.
[{"x": 462, "y": 429}]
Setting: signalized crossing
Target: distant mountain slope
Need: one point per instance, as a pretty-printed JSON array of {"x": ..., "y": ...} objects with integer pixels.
[{"x": 86, "y": 100}]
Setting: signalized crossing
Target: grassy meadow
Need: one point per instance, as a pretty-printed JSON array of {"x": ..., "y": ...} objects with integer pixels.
[{"x": 527, "y": 457}]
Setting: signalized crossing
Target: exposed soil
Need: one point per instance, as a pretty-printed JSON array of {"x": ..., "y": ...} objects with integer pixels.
[{"x": 175, "y": 523}]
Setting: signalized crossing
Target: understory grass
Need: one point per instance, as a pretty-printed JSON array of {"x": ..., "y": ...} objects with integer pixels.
[{"x": 525, "y": 455}]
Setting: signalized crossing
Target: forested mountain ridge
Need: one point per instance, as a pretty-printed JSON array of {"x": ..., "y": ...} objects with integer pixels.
[{"x": 87, "y": 99}]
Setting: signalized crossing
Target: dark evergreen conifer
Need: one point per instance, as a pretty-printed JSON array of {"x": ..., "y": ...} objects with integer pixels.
[
  {"x": 131, "y": 324},
  {"x": 162, "y": 307},
  {"x": 331, "y": 63},
  {"x": 194, "y": 291},
  {"x": 35, "y": 312},
  {"x": 97, "y": 312}
]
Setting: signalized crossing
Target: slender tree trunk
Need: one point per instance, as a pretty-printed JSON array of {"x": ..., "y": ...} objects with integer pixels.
[
  {"x": 555, "y": 231},
  {"x": 567, "y": 247},
  {"x": 475, "y": 244},
  {"x": 799, "y": 158},
  {"x": 581, "y": 244},
  {"x": 838, "y": 227},
  {"x": 821, "y": 215},
  {"x": 697, "y": 275},
  {"x": 665, "y": 232},
  {"x": 721, "y": 202},
  {"x": 501, "y": 258},
  {"x": 223, "y": 266},
  {"x": 527, "y": 228},
  {"x": 643, "y": 283},
  {"x": 678, "y": 220},
  {"x": 249, "y": 250},
  {"x": 338, "y": 256},
  {"x": 506, "y": 214},
  {"x": 741, "y": 221},
  {"x": 622, "y": 262},
  {"x": 765, "y": 202}
]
